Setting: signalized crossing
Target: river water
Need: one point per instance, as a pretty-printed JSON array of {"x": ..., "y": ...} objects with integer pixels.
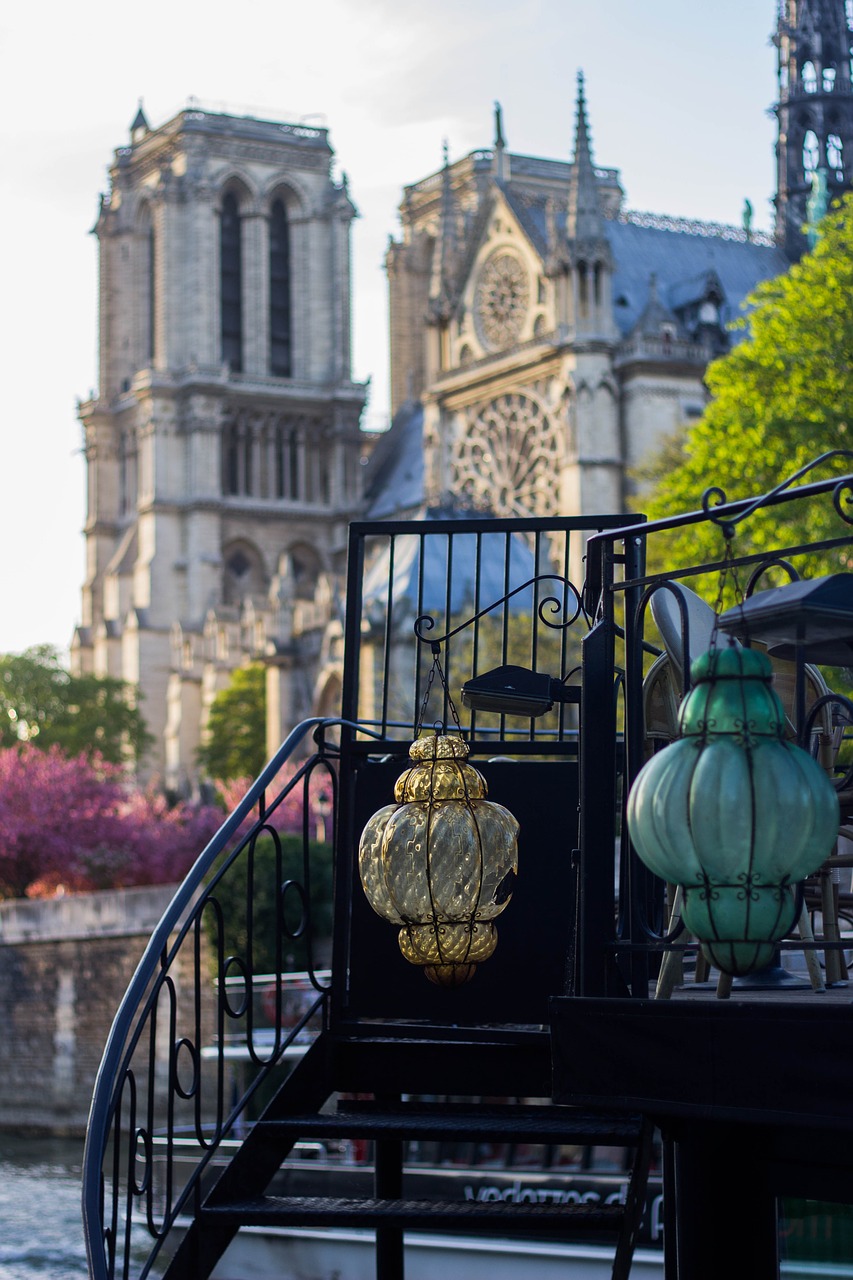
[{"x": 41, "y": 1228}]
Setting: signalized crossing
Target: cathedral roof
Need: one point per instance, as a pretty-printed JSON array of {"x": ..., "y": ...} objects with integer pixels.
[
  {"x": 683, "y": 262},
  {"x": 683, "y": 256},
  {"x": 481, "y": 572},
  {"x": 394, "y": 481}
]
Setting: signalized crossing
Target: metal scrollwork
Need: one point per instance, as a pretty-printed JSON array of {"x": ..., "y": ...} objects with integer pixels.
[
  {"x": 714, "y": 497},
  {"x": 843, "y": 491},
  {"x": 425, "y": 623}
]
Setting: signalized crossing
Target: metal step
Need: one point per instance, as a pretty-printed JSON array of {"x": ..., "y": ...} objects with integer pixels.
[
  {"x": 472, "y": 1217},
  {"x": 461, "y": 1122},
  {"x": 427, "y": 1065}
]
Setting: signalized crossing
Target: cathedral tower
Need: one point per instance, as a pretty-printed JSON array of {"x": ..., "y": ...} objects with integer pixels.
[
  {"x": 814, "y": 148},
  {"x": 223, "y": 446}
]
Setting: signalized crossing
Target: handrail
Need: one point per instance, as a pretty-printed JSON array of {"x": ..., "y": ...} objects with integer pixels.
[{"x": 141, "y": 997}]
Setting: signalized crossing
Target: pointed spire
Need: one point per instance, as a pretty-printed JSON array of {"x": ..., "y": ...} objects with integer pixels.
[
  {"x": 582, "y": 143},
  {"x": 584, "y": 214},
  {"x": 140, "y": 125},
  {"x": 500, "y": 164},
  {"x": 499, "y": 133},
  {"x": 444, "y": 254},
  {"x": 656, "y": 318}
]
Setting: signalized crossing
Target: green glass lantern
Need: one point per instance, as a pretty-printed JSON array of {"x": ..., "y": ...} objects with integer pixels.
[
  {"x": 733, "y": 812},
  {"x": 441, "y": 862}
]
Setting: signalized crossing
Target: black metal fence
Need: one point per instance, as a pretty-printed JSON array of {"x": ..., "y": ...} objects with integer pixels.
[
  {"x": 231, "y": 984},
  {"x": 634, "y": 569}
]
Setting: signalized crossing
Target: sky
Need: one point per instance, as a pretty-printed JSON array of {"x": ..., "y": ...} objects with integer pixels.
[{"x": 678, "y": 94}]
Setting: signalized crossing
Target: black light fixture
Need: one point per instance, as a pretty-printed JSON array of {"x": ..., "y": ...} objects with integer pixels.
[
  {"x": 516, "y": 691},
  {"x": 810, "y": 617}
]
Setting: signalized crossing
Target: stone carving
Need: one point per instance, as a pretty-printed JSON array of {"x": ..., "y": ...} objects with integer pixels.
[
  {"x": 503, "y": 293},
  {"x": 508, "y": 457}
]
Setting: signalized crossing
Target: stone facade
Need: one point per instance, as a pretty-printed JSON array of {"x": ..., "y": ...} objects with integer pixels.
[
  {"x": 547, "y": 340},
  {"x": 554, "y": 339},
  {"x": 223, "y": 449}
]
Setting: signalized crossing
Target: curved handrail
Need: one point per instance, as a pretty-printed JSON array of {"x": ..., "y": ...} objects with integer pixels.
[{"x": 140, "y": 1003}]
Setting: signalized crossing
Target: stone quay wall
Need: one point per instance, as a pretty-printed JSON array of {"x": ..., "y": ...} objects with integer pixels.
[{"x": 65, "y": 964}]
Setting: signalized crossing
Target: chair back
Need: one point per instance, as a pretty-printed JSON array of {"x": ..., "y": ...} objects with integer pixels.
[{"x": 664, "y": 682}]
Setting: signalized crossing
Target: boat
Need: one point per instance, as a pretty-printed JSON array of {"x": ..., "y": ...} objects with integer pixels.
[
  {"x": 345, "y": 1169},
  {"x": 817, "y": 1238}
]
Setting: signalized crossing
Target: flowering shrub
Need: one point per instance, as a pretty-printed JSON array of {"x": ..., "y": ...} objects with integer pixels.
[
  {"x": 70, "y": 823},
  {"x": 288, "y": 815},
  {"x": 256, "y": 907}
]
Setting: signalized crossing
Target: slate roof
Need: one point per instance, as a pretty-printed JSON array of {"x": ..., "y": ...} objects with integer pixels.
[
  {"x": 418, "y": 586},
  {"x": 394, "y": 480},
  {"x": 681, "y": 260}
]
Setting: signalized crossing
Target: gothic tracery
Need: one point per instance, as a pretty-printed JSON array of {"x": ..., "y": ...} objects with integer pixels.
[{"x": 508, "y": 455}]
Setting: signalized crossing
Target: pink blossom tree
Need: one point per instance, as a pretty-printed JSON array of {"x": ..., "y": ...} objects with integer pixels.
[{"x": 72, "y": 822}]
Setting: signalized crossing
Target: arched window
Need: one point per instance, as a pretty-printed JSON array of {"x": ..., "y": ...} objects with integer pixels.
[
  {"x": 835, "y": 155},
  {"x": 305, "y": 570},
  {"x": 829, "y": 74},
  {"x": 230, "y": 461},
  {"x": 811, "y": 152},
  {"x": 126, "y": 494},
  {"x": 244, "y": 576},
  {"x": 281, "y": 365},
  {"x": 152, "y": 293},
  {"x": 809, "y": 77},
  {"x": 247, "y": 450},
  {"x": 287, "y": 449},
  {"x": 147, "y": 279},
  {"x": 583, "y": 289},
  {"x": 231, "y": 284},
  {"x": 293, "y": 464}
]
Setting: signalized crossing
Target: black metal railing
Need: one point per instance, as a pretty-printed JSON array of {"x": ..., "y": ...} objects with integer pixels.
[
  {"x": 229, "y": 989},
  {"x": 488, "y": 592},
  {"x": 214, "y": 1014},
  {"x": 619, "y": 952}
]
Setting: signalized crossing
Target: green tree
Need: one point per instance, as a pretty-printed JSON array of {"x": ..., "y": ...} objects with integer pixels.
[
  {"x": 269, "y": 909},
  {"x": 43, "y": 704},
  {"x": 783, "y": 395},
  {"x": 236, "y": 742}
]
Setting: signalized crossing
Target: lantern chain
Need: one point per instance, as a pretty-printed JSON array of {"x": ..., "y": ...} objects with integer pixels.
[
  {"x": 729, "y": 569},
  {"x": 437, "y": 669}
]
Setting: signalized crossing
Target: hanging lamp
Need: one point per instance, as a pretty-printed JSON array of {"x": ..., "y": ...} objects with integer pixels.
[
  {"x": 441, "y": 862},
  {"x": 733, "y": 812}
]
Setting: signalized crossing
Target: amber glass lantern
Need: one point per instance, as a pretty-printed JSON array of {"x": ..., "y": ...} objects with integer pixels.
[{"x": 441, "y": 862}]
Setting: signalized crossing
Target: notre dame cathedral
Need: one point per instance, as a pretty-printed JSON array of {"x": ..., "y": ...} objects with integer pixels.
[{"x": 544, "y": 340}]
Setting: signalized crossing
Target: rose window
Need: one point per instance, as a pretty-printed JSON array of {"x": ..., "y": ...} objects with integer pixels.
[
  {"x": 508, "y": 458},
  {"x": 503, "y": 292}
]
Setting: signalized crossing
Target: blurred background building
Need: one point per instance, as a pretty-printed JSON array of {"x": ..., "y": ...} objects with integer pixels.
[{"x": 545, "y": 342}]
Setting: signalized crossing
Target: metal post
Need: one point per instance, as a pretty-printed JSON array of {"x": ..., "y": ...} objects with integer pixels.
[
  {"x": 722, "y": 1195},
  {"x": 388, "y": 1185},
  {"x": 597, "y": 750}
]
